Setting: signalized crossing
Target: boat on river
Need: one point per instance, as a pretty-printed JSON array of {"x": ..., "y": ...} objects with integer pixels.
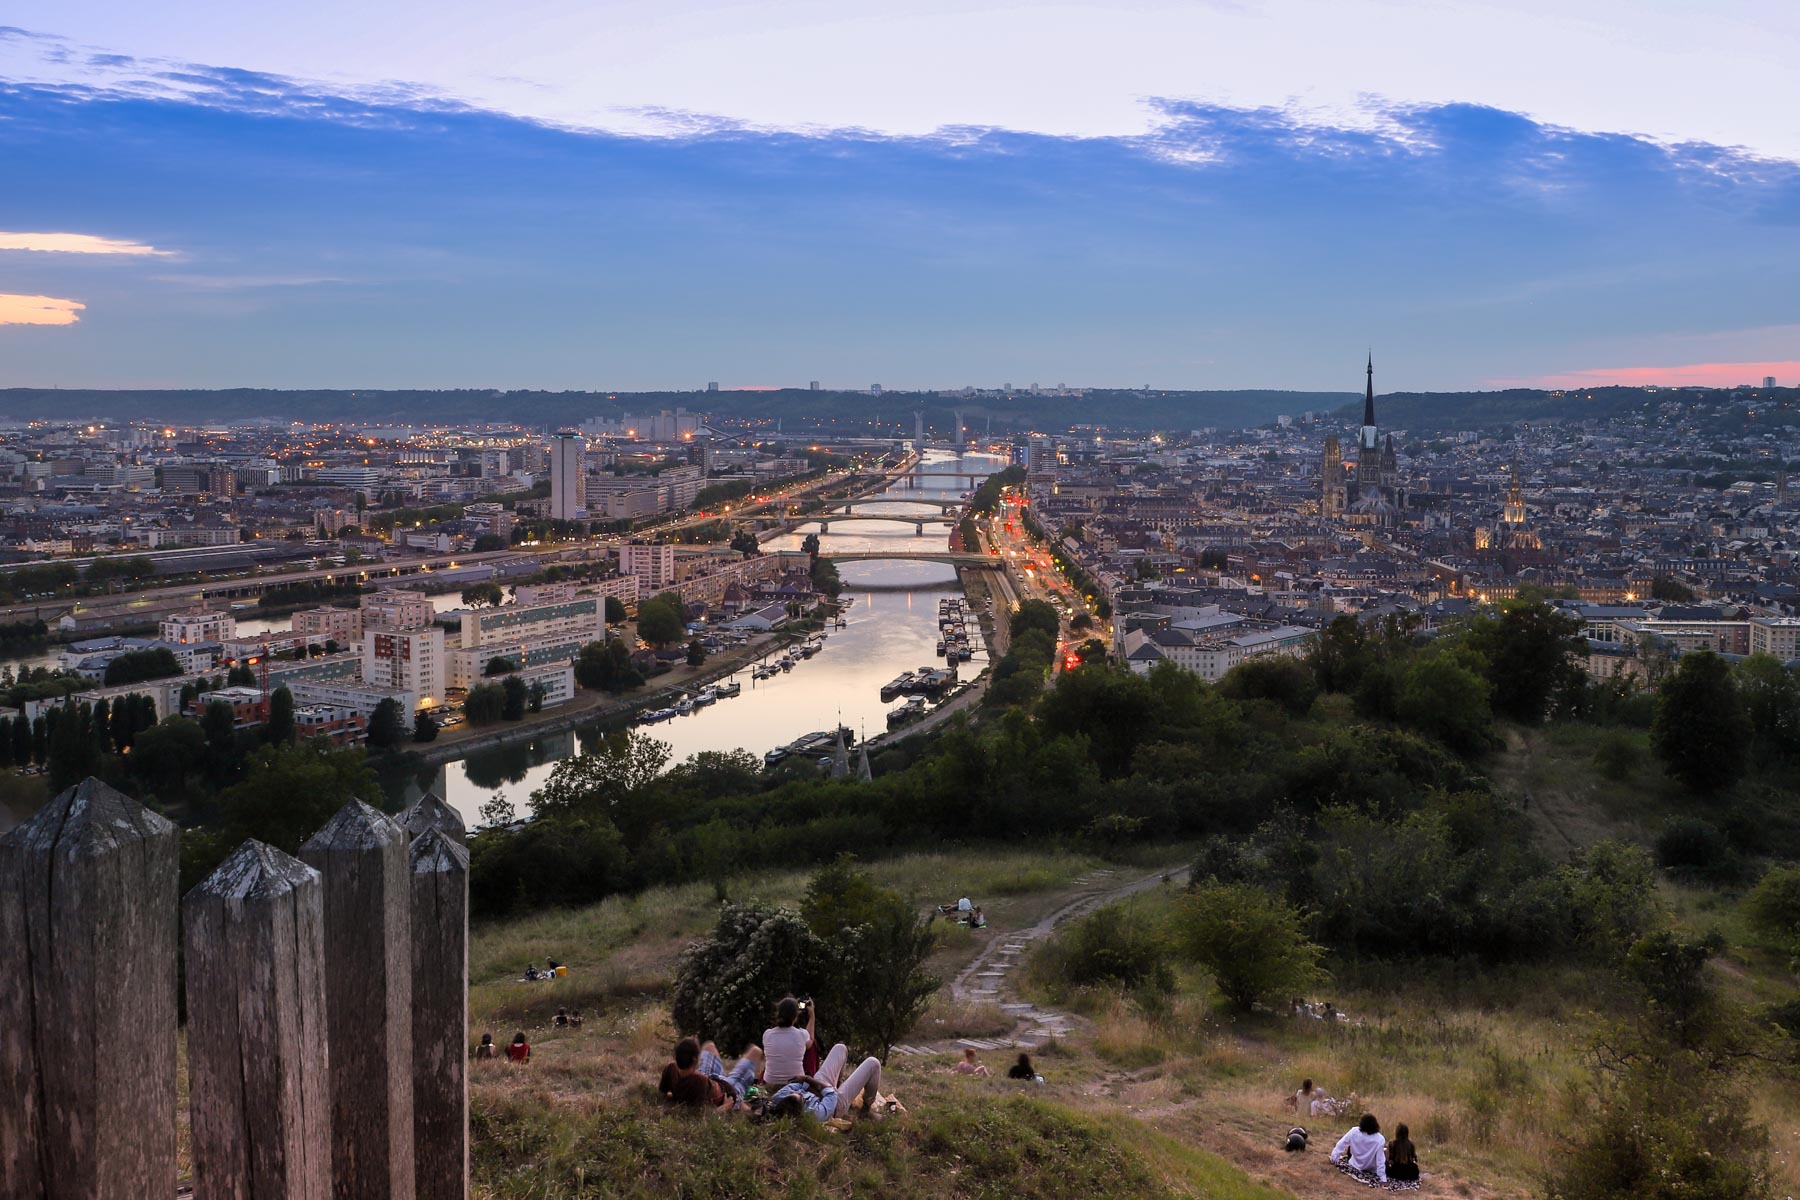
[
  {"x": 705, "y": 696},
  {"x": 900, "y": 685},
  {"x": 726, "y": 691},
  {"x": 765, "y": 672},
  {"x": 906, "y": 713}
]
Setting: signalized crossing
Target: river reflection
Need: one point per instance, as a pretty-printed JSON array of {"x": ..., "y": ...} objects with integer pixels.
[{"x": 891, "y": 627}]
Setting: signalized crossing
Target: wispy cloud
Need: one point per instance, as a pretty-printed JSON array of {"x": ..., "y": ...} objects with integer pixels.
[
  {"x": 38, "y": 310},
  {"x": 232, "y": 283},
  {"x": 1786, "y": 372},
  {"x": 79, "y": 243}
]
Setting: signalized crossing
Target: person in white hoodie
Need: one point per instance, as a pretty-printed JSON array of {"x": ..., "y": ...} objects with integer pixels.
[{"x": 1361, "y": 1150}]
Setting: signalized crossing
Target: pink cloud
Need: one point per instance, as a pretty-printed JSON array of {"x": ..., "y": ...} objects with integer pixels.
[
  {"x": 1786, "y": 373},
  {"x": 38, "y": 310}
]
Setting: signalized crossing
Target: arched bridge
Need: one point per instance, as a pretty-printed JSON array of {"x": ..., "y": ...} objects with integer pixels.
[
  {"x": 945, "y": 506},
  {"x": 827, "y": 520},
  {"x": 948, "y": 557}
]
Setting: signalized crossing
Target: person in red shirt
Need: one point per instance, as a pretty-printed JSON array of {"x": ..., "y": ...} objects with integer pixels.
[{"x": 520, "y": 1050}]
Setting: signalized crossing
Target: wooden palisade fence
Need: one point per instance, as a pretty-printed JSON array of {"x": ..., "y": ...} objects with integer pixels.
[{"x": 326, "y": 1008}]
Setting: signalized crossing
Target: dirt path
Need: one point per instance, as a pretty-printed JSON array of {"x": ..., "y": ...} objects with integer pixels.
[{"x": 990, "y": 976}]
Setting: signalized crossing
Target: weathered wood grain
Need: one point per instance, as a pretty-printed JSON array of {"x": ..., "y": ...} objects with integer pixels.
[
  {"x": 259, "y": 1087},
  {"x": 362, "y": 858},
  {"x": 440, "y": 960},
  {"x": 87, "y": 996},
  {"x": 430, "y": 812}
]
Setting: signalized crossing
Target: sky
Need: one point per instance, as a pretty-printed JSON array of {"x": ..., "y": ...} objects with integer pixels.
[{"x": 917, "y": 193}]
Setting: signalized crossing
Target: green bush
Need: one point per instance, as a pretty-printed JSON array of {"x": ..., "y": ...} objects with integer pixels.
[
  {"x": 1773, "y": 907},
  {"x": 1121, "y": 945},
  {"x": 1252, "y": 943},
  {"x": 1696, "y": 849}
]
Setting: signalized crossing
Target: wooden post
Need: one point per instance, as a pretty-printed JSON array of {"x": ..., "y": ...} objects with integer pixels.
[
  {"x": 362, "y": 857},
  {"x": 259, "y": 1087},
  {"x": 440, "y": 962},
  {"x": 87, "y": 1000},
  {"x": 430, "y": 812}
]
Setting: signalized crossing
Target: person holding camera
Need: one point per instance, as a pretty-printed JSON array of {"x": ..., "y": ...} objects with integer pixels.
[{"x": 785, "y": 1044}]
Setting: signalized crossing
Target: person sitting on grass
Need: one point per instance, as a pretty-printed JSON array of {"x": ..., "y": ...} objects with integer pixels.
[
  {"x": 1402, "y": 1158},
  {"x": 1024, "y": 1070},
  {"x": 970, "y": 1065},
  {"x": 1359, "y": 1153},
  {"x": 520, "y": 1050},
  {"x": 683, "y": 1084},
  {"x": 786, "y": 1042},
  {"x": 486, "y": 1049},
  {"x": 1303, "y": 1099}
]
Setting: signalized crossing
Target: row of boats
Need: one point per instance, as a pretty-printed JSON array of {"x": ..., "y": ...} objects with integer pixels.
[
  {"x": 688, "y": 703},
  {"x": 953, "y": 631},
  {"x": 792, "y": 658},
  {"x": 818, "y": 745},
  {"x": 926, "y": 681}
]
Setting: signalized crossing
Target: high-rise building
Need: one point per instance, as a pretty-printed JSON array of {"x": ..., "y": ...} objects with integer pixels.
[
  {"x": 1768, "y": 381},
  {"x": 406, "y": 660},
  {"x": 813, "y": 386},
  {"x": 713, "y": 386},
  {"x": 918, "y": 430},
  {"x": 1041, "y": 456},
  {"x": 652, "y": 562},
  {"x": 568, "y": 477}
]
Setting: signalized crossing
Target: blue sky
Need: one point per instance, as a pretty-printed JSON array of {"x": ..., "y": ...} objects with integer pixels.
[{"x": 393, "y": 216}]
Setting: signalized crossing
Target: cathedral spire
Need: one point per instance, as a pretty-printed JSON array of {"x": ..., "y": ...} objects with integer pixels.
[{"x": 1369, "y": 396}]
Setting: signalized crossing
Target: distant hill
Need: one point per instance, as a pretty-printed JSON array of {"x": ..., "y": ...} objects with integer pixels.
[
  {"x": 796, "y": 408},
  {"x": 1427, "y": 412}
]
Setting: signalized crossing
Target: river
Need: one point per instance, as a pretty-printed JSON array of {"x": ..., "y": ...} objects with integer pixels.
[{"x": 891, "y": 627}]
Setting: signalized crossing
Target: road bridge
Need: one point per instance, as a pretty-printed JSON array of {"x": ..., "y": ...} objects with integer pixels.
[
  {"x": 826, "y": 521},
  {"x": 951, "y": 557},
  {"x": 948, "y": 506}
]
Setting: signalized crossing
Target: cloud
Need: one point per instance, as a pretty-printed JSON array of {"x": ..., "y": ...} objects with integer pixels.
[
  {"x": 1689, "y": 374},
  {"x": 79, "y": 243},
  {"x": 38, "y": 310},
  {"x": 229, "y": 283}
]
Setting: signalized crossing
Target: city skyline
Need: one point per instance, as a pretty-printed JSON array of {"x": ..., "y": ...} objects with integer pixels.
[{"x": 212, "y": 218}]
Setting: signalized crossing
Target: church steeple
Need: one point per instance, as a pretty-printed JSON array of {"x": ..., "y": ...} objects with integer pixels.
[{"x": 1369, "y": 395}]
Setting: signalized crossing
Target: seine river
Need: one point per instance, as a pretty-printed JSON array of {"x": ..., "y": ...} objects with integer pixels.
[{"x": 891, "y": 627}]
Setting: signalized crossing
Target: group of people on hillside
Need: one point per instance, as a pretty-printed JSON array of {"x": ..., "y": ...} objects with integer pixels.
[
  {"x": 784, "y": 1075},
  {"x": 970, "y": 1064},
  {"x": 1363, "y": 1153}
]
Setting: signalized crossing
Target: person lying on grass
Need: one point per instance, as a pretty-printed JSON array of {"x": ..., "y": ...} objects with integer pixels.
[
  {"x": 742, "y": 1075},
  {"x": 684, "y": 1086}
]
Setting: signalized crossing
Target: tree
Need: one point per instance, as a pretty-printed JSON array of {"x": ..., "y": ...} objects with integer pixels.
[
  {"x": 240, "y": 675},
  {"x": 484, "y": 704},
  {"x": 1530, "y": 650},
  {"x": 425, "y": 729},
  {"x": 135, "y": 666},
  {"x": 810, "y": 544},
  {"x": 71, "y": 747},
  {"x": 607, "y": 665},
  {"x": 1445, "y": 698},
  {"x": 483, "y": 595},
  {"x": 487, "y": 542},
  {"x": 1700, "y": 731},
  {"x": 1252, "y": 944},
  {"x": 696, "y": 654},
  {"x": 613, "y": 777},
  {"x": 1671, "y": 590},
  {"x": 1036, "y": 614},
  {"x": 726, "y": 984},
  {"x": 615, "y": 610},
  {"x": 535, "y": 697},
  {"x": 745, "y": 543},
  {"x": 1771, "y": 698},
  {"x": 288, "y": 792},
  {"x": 1286, "y": 681},
  {"x": 513, "y": 706},
  {"x": 386, "y": 727},
  {"x": 219, "y": 723},
  {"x": 280, "y": 727},
  {"x": 880, "y": 944},
  {"x": 499, "y": 665},
  {"x": 660, "y": 620}
]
